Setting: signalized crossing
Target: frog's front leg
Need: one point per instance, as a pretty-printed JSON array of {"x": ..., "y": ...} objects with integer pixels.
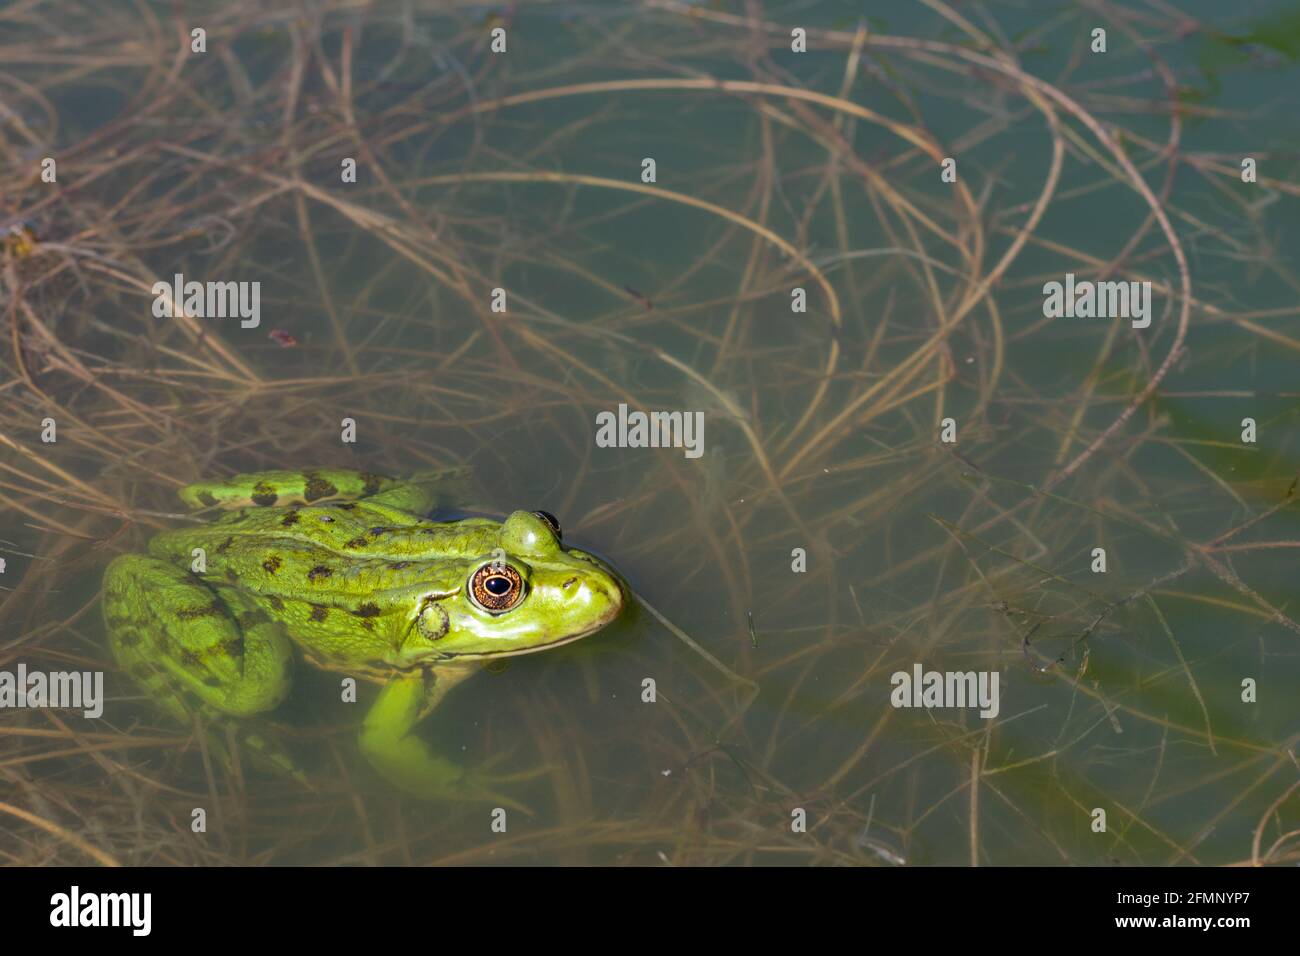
[{"x": 391, "y": 746}]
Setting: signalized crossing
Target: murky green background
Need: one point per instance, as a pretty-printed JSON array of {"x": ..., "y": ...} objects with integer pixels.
[{"x": 917, "y": 552}]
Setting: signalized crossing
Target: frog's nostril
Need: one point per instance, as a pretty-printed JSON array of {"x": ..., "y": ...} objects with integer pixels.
[{"x": 569, "y": 583}]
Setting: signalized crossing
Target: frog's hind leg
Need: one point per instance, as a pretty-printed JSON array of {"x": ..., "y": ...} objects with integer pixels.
[
  {"x": 427, "y": 490},
  {"x": 271, "y": 489},
  {"x": 417, "y": 494},
  {"x": 197, "y": 650}
]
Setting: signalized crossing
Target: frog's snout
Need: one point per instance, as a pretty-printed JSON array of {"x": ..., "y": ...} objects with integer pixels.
[
  {"x": 614, "y": 596},
  {"x": 596, "y": 596}
]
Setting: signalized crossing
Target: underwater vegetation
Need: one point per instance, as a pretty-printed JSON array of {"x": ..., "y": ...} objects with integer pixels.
[{"x": 905, "y": 406}]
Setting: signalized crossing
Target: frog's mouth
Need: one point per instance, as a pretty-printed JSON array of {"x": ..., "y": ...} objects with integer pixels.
[{"x": 521, "y": 651}]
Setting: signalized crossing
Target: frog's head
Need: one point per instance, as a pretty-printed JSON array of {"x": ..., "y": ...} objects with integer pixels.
[{"x": 529, "y": 594}]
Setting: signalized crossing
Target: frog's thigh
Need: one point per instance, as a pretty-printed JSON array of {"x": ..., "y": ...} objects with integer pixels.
[{"x": 190, "y": 644}]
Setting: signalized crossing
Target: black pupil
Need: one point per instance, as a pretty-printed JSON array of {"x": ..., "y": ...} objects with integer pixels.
[{"x": 497, "y": 585}]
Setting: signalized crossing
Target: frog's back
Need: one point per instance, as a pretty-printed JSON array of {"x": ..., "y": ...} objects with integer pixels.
[{"x": 354, "y": 529}]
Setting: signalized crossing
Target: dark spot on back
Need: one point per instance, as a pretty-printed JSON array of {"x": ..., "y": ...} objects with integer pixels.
[
  {"x": 290, "y": 519},
  {"x": 320, "y": 571},
  {"x": 264, "y": 495},
  {"x": 367, "y": 610},
  {"x": 359, "y": 542},
  {"x": 317, "y": 487},
  {"x": 206, "y": 610},
  {"x": 372, "y": 483},
  {"x": 398, "y": 565},
  {"x": 225, "y": 545},
  {"x": 271, "y": 564},
  {"x": 346, "y": 506},
  {"x": 232, "y": 647},
  {"x": 275, "y": 602},
  {"x": 206, "y": 498},
  {"x": 319, "y": 612}
]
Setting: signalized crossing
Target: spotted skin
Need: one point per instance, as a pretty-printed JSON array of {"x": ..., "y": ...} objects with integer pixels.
[
  {"x": 268, "y": 489},
  {"x": 198, "y": 650},
  {"x": 185, "y": 632},
  {"x": 342, "y": 567}
]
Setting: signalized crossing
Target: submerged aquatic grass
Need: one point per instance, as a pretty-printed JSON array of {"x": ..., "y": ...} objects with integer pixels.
[{"x": 827, "y": 538}]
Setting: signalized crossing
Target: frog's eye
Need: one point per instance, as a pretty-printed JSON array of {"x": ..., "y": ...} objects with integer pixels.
[
  {"x": 551, "y": 520},
  {"x": 496, "y": 588}
]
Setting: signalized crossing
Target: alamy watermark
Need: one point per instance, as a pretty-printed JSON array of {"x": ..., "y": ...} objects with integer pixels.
[
  {"x": 651, "y": 430},
  {"x": 1103, "y": 300},
  {"x": 76, "y": 908},
  {"x": 76, "y": 690},
  {"x": 947, "y": 689},
  {"x": 209, "y": 300}
]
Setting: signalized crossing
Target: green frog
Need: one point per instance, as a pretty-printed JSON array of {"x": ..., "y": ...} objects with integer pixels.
[{"x": 342, "y": 566}]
